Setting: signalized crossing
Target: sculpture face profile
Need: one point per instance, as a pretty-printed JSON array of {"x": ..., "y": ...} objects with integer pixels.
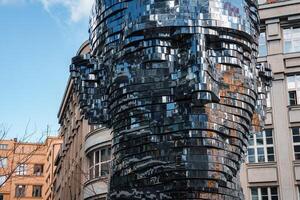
[{"x": 177, "y": 82}]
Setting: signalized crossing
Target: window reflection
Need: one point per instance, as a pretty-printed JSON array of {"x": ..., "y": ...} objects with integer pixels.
[
  {"x": 293, "y": 86},
  {"x": 262, "y": 48},
  {"x": 291, "y": 40}
]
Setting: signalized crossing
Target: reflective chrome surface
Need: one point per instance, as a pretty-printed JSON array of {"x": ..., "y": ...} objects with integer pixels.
[{"x": 177, "y": 82}]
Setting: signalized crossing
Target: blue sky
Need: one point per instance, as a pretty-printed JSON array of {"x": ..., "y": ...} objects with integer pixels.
[{"x": 37, "y": 40}]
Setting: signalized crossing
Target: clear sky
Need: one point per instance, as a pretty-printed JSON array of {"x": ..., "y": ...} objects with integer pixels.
[{"x": 37, "y": 41}]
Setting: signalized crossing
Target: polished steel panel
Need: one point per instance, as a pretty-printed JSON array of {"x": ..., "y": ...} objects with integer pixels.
[{"x": 178, "y": 83}]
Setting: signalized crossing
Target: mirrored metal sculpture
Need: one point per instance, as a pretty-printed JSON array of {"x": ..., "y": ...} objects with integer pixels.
[{"x": 177, "y": 81}]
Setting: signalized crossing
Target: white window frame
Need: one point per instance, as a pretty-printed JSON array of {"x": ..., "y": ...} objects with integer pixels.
[
  {"x": 92, "y": 168},
  {"x": 3, "y": 162},
  {"x": 295, "y": 143},
  {"x": 269, "y": 192},
  {"x": 265, "y": 146},
  {"x": 21, "y": 169},
  {"x": 292, "y": 39},
  {"x": 2, "y": 180},
  {"x": 3, "y": 146},
  {"x": 262, "y": 42},
  {"x": 296, "y": 87}
]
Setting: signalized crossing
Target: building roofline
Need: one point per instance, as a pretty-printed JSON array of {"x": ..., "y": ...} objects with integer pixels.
[{"x": 82, "y": 47}]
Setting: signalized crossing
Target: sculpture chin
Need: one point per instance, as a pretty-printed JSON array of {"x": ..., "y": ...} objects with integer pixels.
[{"x": 177, "y": 83}]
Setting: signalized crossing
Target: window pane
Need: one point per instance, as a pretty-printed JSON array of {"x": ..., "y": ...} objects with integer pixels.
[
  {"x": 271, "y": 158},
  {"x": 270, "y": 150},
  {"x": 91, "y": 173},
  {"x": 287, "y": 35},
  {"x": 291, "y": 83},
  {"x": 251, "y": 159},
  {"x": 268, "y": 133},
  {"x": 262, "y": 51},
  {"x": 297, "y": 148},
  {"x": 254, "y": 193},
  {"x": 297, "y": 156},
  {"x": 97, "y": 158},
  {"x": 251, "y": 141},
  {"x": 104, "y": 156},
  {"x": 3, "y": 162},
  {"x": 97, "y": 170},
  {"x": 273, "y": 190},
  {"x": 104, "y": 169},
  {"x": 292, "y": 98}
]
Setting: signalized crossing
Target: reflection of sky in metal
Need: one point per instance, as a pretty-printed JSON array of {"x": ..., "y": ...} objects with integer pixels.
[{"x": 180, "y": 90}]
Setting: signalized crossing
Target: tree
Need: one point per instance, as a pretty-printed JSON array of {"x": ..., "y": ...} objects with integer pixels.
[{"x": 15, "y": 154}]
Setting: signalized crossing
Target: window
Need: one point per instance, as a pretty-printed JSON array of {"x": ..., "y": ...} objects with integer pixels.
[
  {"x": 261, "y": 147},
  {"x": 293, "y": 85},
  {"x": 38, "y": 169},
  {"x": 21, "y": 169},
  {"x": 20, "y": 190},
  {"x": 291, "y": 39},
  {"x": 1, "y": 197},
  {"x": 262, "y": 45},
  {"x": 2, "y": 180},
  {"x": 268, "y": 100},
  {"x": 3, "y": 146},
  {"x": 37, "y": 191},
  {"x": 3, "y": 162},
  {"x": 296, "y": 142},
  {"x": 264, "y": 193},
  {"x": 99, "y": 161}
]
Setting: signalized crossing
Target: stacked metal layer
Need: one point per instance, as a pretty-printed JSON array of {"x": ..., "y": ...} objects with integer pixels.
[{"x": 177, "y": 82}]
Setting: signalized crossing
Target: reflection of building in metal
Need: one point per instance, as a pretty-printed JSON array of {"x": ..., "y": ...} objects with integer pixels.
[
  {"x": 178, "y": 84},
  {"x": 272, "y": 170}
]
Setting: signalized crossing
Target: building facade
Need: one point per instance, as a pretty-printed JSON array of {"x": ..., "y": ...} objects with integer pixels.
[
  {"x": 82, "y": 164},
  {"x": 272, "y": 170},
  {"x": 24, "y": 168}
]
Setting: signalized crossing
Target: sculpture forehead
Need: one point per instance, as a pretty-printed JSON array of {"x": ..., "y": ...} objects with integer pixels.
[
  {"x": 240, "y": 15},
  {"x": 231, "y": 7}
]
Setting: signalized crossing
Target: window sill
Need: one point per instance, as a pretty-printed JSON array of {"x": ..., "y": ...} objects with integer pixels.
[
  {"x": 273, "y": 163},
  {"x": 294, "y": 107},
  {"x": 102, "y": 178},
  {"x": 296, "y": 162},
  {"x": 287, "y": 55}
]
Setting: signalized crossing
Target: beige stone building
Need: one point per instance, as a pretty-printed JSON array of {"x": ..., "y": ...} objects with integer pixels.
[
  {"x": 273, "y": 162},
  {"x": 53, "y": 145},
  {"x": 82, "y": 165},
  {"x": 24, "y": 168}
]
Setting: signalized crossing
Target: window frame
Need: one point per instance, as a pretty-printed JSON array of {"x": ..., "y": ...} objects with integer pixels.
[
  {"x": 23, "y": 194},
  {"x": 269, "y": 191},
  {"x": 5, "y": 165},
  {"x": 39, "y": 173},
  {"x": 40, "y": 191},
  {"x": 262, "y": 43},
  {"x": 292, "y": 39},
  {"x": 295, "y": 143},
  {"x": 3, "y": 179},
  {"x": 295, "y": 89},
  {"x": 95, "y": 162},
  {"x": 255, "y": 146},
  {"x": 3, "y": 146},
  {"x": 21, "y": 169}
]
